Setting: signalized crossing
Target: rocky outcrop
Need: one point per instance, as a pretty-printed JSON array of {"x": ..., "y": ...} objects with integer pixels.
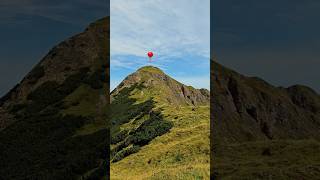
[{"x": 248, "y": 109}]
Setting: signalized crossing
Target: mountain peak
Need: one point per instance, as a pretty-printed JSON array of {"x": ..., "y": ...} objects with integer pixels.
[
  {"x": 151, "y": 69},
  {"x": 154, "y": 82},
  {"x": 145, "y": 75}
]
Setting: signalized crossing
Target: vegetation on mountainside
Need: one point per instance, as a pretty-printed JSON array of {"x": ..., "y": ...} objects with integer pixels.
[
  {"x": 155, "y": 135},
  {"x": 140, "y": 123},
  {"x": 59, "y": 129},
  {"x": 181, "y": 153},
  {"x": 276, "y": 159}
]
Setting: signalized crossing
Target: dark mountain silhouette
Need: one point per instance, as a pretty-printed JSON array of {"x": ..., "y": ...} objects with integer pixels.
[
  {"x": 53, "y": 123},
  {"x": 260, "y": 131}
]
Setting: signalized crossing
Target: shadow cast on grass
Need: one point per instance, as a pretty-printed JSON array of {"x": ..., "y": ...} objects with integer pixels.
[{"x": 145, "y": 123}]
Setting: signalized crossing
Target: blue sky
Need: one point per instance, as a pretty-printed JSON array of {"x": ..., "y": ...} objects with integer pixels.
[
  {"x": 278, "y": 41},
  {"x": 178, "y": 32}
]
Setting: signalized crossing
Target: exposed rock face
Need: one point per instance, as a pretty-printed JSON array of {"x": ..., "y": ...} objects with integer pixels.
[
  {"x": 171, "y": 90},
  {"x": 53, "y": 123},
  {"x": 305, "y": 98},
  {"x": 249, "y": 109}
]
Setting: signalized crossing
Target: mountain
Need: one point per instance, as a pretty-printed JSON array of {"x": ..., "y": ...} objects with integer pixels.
[
  {"x": 165, "y": 88},
  {"x": 160, "y": 128},
  {"x": 260, "y": 131},
  {"x": 53, "y": 123}
]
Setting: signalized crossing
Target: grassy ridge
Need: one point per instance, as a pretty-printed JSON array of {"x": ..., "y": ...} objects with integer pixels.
[{"x": 182, "y": 153}]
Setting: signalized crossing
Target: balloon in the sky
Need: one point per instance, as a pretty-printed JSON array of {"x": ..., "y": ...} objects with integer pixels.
[{"x": 150, "y": 55}]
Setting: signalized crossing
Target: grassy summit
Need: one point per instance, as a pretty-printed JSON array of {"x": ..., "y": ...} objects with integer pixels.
[{"x": 150, "y": 69}]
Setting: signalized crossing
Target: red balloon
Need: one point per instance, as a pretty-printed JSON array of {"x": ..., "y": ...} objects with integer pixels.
[{"x": 150, "y": 54}]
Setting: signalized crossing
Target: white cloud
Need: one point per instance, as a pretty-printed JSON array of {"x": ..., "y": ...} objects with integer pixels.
[
  {"x": 169, "y": 28},
  {"x": 178, "y": 32},
  {"x": 195, "y": 81},
  {"x": 116, "y": 63}
]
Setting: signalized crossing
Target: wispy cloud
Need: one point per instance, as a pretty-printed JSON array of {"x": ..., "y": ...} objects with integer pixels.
[
  {"x": 169, "y": 28},
  {"x": 178, "y": 32}
]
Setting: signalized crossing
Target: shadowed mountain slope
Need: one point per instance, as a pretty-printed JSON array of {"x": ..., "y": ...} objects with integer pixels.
[
  {"x": 248, "y": 108},
  {"x": 259, "y": 131},
  {"x": 53, "y": 123}
]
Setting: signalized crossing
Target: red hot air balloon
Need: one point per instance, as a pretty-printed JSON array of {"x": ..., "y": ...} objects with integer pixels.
[{"x": 150, "y": 55}]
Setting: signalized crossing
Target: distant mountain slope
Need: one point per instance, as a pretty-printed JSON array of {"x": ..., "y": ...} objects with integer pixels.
[
  {"x": 160, "y": 128},
  {"x": 260, "y": 131},
  {"x": 257, "y": 110},
  {"x": 53, "y": 123}
]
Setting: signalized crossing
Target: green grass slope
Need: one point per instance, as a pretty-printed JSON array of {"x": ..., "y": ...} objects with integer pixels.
[
  {"x": 276, "y": 159},
  {"x": 156, "y": 134}
]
